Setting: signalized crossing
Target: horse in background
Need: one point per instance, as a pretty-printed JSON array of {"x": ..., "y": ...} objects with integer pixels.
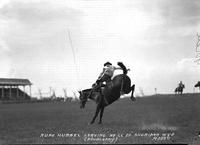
[
  {"x": 197, "y": 85},
  {"x": 109, "y": 93},
  {"x": 179, "y": 89}
]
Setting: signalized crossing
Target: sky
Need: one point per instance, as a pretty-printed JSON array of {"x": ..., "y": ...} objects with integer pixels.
[{"x": 64, "y": 43}]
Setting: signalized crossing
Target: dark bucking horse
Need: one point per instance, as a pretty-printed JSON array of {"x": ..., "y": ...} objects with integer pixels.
[
  {"x": 179, "y": 89},
  {"x": 109, "y": 93}
]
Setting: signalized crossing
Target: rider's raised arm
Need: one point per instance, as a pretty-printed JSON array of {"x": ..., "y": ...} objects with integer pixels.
[
  {"x": 115, "y": 68},
  {"x": 100, "y": 75}
]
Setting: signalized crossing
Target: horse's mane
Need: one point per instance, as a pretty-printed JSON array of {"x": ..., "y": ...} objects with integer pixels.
[
  {"x": 123, "y": 67},
  {"x": 86, "y": 90}
]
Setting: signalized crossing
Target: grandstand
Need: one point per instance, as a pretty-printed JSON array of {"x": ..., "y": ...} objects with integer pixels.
[{"x": 14, "y": 89}]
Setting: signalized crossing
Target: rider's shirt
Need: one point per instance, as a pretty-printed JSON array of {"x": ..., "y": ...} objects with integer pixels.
[
  {"x": 108, "y": 70},
  {"x": 180, "y": 84}
]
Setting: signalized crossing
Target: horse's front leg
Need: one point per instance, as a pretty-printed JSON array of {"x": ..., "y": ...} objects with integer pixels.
[
  {"x": 133, "y": 89},
  {"x": 101, "y": 114},
  {"x": 96, "y": 113}
]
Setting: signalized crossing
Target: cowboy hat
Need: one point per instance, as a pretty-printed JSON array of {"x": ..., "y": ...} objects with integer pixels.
[{"x": 107, "y": 63}]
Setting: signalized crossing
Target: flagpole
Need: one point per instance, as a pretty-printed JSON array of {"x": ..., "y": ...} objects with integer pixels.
[{"x": 74, "y": 56}]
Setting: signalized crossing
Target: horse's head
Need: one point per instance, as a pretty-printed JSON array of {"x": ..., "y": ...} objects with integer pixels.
[
  {"x": 83, "y": 98},
  {"x": 197, "y": 84},
  {"x": 176, "y": 90}
]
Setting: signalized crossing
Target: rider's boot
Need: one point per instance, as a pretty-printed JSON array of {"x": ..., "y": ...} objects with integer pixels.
[
  {"x": 90, "y": 93},
  {"x": 95, "y": 87}
]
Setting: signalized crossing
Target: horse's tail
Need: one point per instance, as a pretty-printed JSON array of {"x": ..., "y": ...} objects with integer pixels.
[{"x": 123, "y": 67}]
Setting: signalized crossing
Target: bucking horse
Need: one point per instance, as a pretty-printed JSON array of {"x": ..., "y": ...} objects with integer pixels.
[{"x": 108, "y": 93}]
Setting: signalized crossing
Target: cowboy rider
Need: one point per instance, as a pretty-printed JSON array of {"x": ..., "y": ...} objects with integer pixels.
[
  {"x": 180, "y": 84},
  {"x": 107, "y": 73},
  {"x": 105, "y": 76}
]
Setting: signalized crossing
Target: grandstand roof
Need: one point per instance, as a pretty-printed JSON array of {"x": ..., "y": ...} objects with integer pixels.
[{"x": 14, "y": 82}]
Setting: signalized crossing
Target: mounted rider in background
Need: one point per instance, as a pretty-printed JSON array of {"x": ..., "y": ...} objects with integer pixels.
[{"x": 181, "y": 84}]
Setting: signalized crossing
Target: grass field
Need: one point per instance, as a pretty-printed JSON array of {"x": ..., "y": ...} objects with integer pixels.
[{"x": 154, "y": 119}]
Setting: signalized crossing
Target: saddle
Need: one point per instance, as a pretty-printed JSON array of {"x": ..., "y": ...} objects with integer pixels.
[{"x": 98, "y": 87}]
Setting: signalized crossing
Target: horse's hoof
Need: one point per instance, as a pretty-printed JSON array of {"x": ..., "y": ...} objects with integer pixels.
[
  {"x": 133, "y": 99},
  {"x": 99, "y": 122}
]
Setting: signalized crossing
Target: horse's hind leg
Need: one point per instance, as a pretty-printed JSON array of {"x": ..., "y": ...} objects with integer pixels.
[
  {"x": 96, "y": 114},
  {"x": 101, "y": 114}
]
